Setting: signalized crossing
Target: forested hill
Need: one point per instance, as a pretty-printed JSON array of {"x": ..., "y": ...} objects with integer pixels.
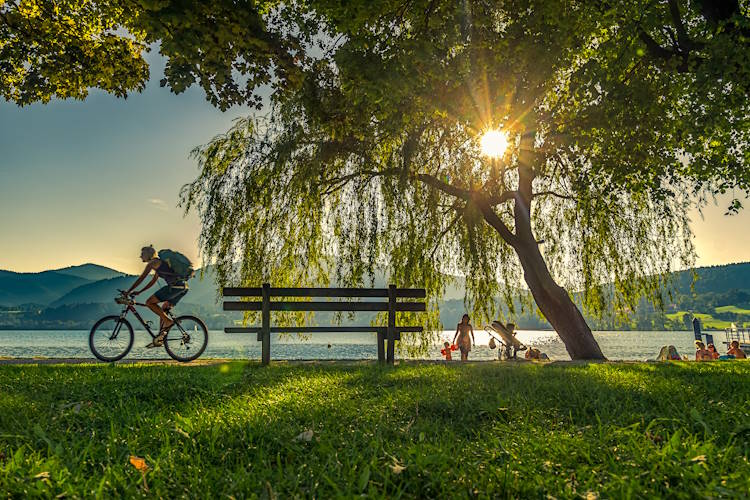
[
  {"x": 715, "y": 279},
  {"x": 74, "y": 297}
]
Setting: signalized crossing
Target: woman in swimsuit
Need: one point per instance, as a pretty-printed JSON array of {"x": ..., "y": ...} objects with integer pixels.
[{"x": 463, "y": 329}]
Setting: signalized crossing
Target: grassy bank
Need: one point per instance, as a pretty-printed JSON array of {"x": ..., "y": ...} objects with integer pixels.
[{"x": 614, "y": 430}]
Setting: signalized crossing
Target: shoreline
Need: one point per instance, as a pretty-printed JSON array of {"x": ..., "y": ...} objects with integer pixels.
[{"x": 333, "y": 362}]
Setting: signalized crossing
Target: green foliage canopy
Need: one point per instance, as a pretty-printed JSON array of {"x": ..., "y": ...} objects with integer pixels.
[{"x": 375, "y": 159}]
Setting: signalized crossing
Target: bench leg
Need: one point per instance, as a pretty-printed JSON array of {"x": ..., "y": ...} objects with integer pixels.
[{"x": 381, "y": 347}]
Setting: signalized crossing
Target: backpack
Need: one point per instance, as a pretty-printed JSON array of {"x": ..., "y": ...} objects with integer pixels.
[{"x": 178, "y": 263}]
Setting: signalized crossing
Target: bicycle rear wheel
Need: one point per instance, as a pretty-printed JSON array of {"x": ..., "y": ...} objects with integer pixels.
[
  {"x": 111, "y": 338},
  {"x": 186, "y": 339}
]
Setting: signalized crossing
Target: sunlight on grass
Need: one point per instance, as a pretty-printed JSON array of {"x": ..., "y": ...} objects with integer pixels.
[{"x": 518, "y": 430}]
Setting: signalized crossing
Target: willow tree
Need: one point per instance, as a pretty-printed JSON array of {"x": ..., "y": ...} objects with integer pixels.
[
  {"x": 614, "y": 112},
  {"x": 376, "y": 160}
]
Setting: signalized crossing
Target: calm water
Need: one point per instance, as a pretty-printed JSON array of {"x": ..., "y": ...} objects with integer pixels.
[{"x": 74, "y": 344}]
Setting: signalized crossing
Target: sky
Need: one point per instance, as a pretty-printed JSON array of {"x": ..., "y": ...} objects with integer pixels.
[{"x": 95, "y": 180}]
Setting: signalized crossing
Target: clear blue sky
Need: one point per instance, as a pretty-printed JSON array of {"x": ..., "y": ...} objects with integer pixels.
[{"x": 94, "y": 180}]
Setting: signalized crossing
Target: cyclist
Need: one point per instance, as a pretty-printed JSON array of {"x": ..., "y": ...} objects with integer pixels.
[{"x": 175, "y": 269}]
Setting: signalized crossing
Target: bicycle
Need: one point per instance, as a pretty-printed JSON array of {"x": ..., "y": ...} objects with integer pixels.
[{"x": 186, "y": 339}]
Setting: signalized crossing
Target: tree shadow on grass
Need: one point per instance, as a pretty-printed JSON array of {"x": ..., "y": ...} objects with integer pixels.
[{"x": 294, "y": 425}]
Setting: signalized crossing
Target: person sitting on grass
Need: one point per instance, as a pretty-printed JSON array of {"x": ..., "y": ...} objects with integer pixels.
[
  {"x": 668, "y": 353},
  {"x": 734, "y": 350},
  {"x": 462, "y": 334},
  {"x": 533, "y": 353},
  {"x": 175, "y": 269},
  {"x": 701, "y": 353},
  {"x": 712, "y": 351}
]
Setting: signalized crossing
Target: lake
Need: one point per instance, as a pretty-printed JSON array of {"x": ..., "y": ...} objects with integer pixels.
[{"x": 634, "y": 345}]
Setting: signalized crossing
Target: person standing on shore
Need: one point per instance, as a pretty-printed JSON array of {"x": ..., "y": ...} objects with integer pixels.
[{"x": 463, "y": 329}]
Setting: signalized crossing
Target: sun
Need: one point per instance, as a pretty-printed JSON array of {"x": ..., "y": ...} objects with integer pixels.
[{"x": 494, "y": 143}]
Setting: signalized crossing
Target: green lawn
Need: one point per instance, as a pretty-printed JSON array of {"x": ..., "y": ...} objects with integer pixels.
[
  {"x": 677, "y": 430},
  {"x": 732, "y": 309},
  {"x": 707, "y": 321}
]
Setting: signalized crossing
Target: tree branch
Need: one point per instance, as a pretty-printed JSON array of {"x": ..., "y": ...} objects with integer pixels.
[
  {"x": 555, "y": 194},
  {"x": 450, "y": 189},
  {"x": 501, "y": 198},
  {"x": 682, "y": 35},
  {"x": 653, "y": 46},
  {"x": 336, "y": 183},
  {"x": 496, "y": 222},
  {"x": 442, "y": 234},
  {"x": 473, "y": 197}
]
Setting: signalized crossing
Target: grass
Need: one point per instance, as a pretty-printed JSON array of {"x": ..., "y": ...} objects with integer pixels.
[
  {"x": 678, "y": 430},
  {"x": 707, "y": 321},
  {"x": 732, "y": 309}
]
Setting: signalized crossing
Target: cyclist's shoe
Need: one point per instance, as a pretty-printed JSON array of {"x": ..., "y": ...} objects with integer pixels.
[{"x": 158, "y": 340}]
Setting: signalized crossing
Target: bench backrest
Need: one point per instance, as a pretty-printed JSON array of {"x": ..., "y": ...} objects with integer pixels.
[{"x": 266, "y": 305}]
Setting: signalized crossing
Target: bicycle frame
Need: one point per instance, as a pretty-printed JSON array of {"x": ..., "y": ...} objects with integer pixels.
[{"x": 131, "y": 308}]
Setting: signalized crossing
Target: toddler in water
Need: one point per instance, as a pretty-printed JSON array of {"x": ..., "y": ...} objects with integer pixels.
[{"x": 446, "y": 350}]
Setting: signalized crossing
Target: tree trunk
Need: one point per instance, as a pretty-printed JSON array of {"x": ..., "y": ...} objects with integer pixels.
[
  {"x": 556, "y": 305},
  {"x": 552, "y": 299}
]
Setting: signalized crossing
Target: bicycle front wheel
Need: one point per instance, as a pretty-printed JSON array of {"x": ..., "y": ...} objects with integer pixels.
[
  {"x": 186, "y": 339},
  {"x": 111, "y": 338}
]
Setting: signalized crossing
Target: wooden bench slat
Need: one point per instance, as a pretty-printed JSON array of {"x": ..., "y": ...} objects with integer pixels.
[
  {"x": 414, "y": 293},
  {"x": 326, "y": 306},
  {"x": 321, "y": 329}
]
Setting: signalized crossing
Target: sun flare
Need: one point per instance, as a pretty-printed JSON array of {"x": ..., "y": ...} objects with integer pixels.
[{"x": 494, "y": 143}]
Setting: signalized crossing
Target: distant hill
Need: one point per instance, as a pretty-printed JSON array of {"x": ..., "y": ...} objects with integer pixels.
[
  {"x": 73, "y": 297},
  {"x": 35, "y": 288},
  {"x": 715, "y": 279},
  {"x": 103, "y": 291},
  {"x": 93, "y": 272}
]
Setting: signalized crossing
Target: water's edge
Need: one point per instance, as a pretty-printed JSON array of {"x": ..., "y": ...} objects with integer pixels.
[{"x": 619, "y": 345}]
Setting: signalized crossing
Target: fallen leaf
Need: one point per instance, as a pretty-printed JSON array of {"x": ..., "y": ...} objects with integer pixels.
[
  {"x": 592, "y": 495},
  {"x": 699, "y": 458},
  {"x": 305, "y": 436},
  {"x": 139, "y": 463},
  {"x": 397, "y": 468},
  {"x": 180, "y": 431},
  {"x": 42, "y": 475}
]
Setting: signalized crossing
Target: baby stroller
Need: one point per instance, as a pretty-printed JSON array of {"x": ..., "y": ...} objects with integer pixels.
[{"x": 509, "y": 345}]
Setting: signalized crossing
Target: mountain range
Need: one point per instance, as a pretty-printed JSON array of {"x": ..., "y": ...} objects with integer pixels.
[{"x": 75, "y": 296}]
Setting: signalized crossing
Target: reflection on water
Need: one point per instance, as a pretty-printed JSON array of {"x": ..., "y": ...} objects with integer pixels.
[{"x": 74, "y": 344}]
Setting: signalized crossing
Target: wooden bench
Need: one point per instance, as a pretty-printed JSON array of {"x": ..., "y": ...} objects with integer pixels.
[{"x": 389, "y": 333}]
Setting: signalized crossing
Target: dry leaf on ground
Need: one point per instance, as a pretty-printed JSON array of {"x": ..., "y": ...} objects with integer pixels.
[
  {"x": 139, "y": 463},
  {"x": 305, "y": 436},
  {"x": 397, "y": 468}
]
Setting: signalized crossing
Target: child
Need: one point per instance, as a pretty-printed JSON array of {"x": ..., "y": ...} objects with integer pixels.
[{"x": 446, "y": 350}]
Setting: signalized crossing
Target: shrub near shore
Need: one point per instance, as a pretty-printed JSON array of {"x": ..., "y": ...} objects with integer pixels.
[{"x": 569, "y": 430}]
